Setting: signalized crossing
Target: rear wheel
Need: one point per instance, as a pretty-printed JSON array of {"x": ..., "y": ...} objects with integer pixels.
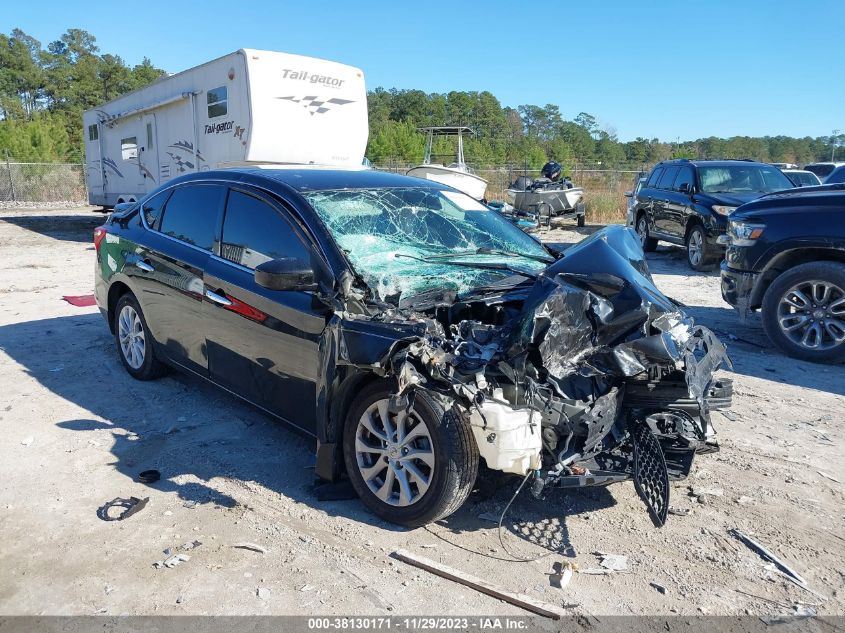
[
  {"x": 699, "y": 253},
  {"x": 649, "y": 244},
  {"x": 804, "y": 312},
  {"x": 581, "y": 220},
  {"x": 134, "y": 341},
  {"x": 409, "y": 467}
]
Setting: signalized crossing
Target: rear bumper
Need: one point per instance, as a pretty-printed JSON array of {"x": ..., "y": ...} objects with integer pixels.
[{"x": 737, "y": 287}]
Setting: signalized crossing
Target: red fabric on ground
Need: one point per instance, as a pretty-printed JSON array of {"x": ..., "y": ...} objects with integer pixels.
[{"x": 81, "y": 301}]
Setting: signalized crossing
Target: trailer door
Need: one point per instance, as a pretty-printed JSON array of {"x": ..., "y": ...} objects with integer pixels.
[
  {"x": 94, "y": 165},
  {"x": 148, "y": 156}
]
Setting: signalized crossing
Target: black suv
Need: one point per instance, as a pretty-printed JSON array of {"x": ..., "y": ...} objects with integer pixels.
[
  {"x": 687, "y": 202},
  {"x": 786, "y": 256}
]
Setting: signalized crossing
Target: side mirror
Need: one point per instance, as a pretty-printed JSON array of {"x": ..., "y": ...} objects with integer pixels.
[
  {"x": 629, "y": 194},
  {"x": 285, "y": 274},
  {"x": 685, "y": 187}
]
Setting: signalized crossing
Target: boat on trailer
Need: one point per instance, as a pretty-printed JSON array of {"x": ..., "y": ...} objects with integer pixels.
[
  {"x": 456, "y": 174},
  {"x": 545, "y": 199}
]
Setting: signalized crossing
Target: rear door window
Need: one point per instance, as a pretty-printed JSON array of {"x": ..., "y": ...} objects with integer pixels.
[
  {"x": 254, "y": 232},
  {"x": 685, "y": 176},
  {"x": 190, "y": 214},
  {"x": 668, "y": 177},
  {"x": 655, "y": 176}
]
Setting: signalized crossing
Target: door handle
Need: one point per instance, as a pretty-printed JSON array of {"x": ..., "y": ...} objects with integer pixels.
[
  {"x": 216, "y": 298},
  {"x": 145, "y": 266}
]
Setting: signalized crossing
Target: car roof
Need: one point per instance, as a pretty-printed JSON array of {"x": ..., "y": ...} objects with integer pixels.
[
  {"x": 305, "y": 179},
  {"x": 711, "y": 162}
]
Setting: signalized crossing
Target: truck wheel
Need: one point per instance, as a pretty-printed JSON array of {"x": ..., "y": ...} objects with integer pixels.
[
  {"x": 804, "y": 312},
  {"x": 649, "y": 244},
  {"x": 134, "y": 341},
  {"x": 409, "y": 468},
  {"x": 581, "y": 220},
  {"x": 699, "y": 254}
]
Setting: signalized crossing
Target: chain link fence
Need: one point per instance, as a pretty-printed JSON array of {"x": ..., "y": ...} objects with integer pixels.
[{"x": 42, "y": 182}]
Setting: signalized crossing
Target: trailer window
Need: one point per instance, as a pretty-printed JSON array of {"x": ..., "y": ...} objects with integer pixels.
[
  {"x": 93, "y": 132},
  {"x": 217, "y": 102},
  {"x": 129, "y": 148},
  {"x": 149, "y": 136}
]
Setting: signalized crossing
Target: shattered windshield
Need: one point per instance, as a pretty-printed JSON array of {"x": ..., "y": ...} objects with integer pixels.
[{"x": 408, "y": 241}]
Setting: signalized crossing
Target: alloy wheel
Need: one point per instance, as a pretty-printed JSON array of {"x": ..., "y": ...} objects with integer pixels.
[
  {"x": 642, "y": 230},
  {"x": 395, "y": 454},
  {"x": 131, "y": 335},
  {"x": 812, "y": 314},
  {"x": 694, "y": 248}
]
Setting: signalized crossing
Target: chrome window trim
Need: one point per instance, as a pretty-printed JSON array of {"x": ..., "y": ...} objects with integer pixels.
[{"x": 230, "y": 185}]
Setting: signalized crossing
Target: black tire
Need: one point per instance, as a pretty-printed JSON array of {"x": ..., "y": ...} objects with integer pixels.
[
  {"x": 699, "y": 252},
  {"x": 649, "y": 244},
  {"x": 151, "y": 367},
  {"x": 829, "y": 272},
  {"x": 455, "y": 459},
  {"x": 581, "y": 220}
]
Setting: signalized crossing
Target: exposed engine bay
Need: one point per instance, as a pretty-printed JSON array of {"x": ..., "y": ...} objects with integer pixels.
[{"x": 585, "y": 377}]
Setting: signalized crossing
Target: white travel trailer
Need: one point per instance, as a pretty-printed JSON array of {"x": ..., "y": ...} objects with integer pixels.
[{"x": 248, "y": 107}]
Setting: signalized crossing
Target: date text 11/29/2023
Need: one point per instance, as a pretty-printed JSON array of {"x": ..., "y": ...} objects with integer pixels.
[{"x": 420, "y": 623}]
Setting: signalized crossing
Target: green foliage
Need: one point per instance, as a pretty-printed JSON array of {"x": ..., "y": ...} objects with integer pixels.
[{"x": 43, "y": 93}]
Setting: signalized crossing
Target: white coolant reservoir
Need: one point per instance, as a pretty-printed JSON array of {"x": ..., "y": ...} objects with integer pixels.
[{"x": 508, "y": 442}]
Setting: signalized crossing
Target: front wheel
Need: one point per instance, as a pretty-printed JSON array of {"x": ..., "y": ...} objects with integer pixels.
[
  {"x": 804, "y": 312},
  {"x": 698, "y": 250},
  {"x": 409, "y": 467}
]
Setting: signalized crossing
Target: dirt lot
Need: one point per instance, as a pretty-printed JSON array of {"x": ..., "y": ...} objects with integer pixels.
[{"x": 77, "y": 430}]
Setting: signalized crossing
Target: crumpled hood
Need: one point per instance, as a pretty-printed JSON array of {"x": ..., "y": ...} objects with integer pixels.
[{"x": 596, "y": 311}]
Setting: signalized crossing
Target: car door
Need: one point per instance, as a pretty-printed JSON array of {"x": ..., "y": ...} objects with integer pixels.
[
  {"x": 167, "y": 270},
  {"x": 661, "y": 199},
  {"x": 678, "y": 201},
  {"x": 263, "y": 344}
]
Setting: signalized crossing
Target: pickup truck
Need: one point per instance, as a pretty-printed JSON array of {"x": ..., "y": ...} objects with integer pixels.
[{"x": 786, "y": 257}]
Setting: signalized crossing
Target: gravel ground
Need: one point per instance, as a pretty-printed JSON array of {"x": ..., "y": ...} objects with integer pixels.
[{"x": 78, "y": 430}]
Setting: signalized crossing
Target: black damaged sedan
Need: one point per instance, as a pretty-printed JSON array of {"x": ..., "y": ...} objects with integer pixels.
[{"x": 413, "y": 332}]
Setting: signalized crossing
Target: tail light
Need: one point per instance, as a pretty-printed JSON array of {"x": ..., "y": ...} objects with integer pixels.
[{"x": 99, "y": 234}]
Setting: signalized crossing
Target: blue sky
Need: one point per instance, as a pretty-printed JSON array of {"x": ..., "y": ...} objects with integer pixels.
[{"x": 644, "y": 68}]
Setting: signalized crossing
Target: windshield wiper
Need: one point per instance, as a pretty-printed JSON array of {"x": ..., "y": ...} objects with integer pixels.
[
  {"x": 548, "y": 259},
  {"x": 482, "y": 265}
]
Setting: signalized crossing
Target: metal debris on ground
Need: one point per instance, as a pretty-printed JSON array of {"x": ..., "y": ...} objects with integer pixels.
[
  {"x": 681, "y": 512},
  {"x": 659, "y": 587},
  {"x": 826, "y": 476},
  {"x": 263, "y": 592},
  {"x": 304, "y": 588},
  {"x": 769, "y": 556},
  {"x": 614, "y": 562},
  {"x": 190, "y": 503},
  {"x": 251, "y": 546},
  {"x": 596, "y": 571},
  {"x": 27, "y": 440},
  {"x": 521, "y": 600},
  {"x": 172, "y": 561},
  {"x": 131, "y": 506},
  {"x": 186, "y": 547}
]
